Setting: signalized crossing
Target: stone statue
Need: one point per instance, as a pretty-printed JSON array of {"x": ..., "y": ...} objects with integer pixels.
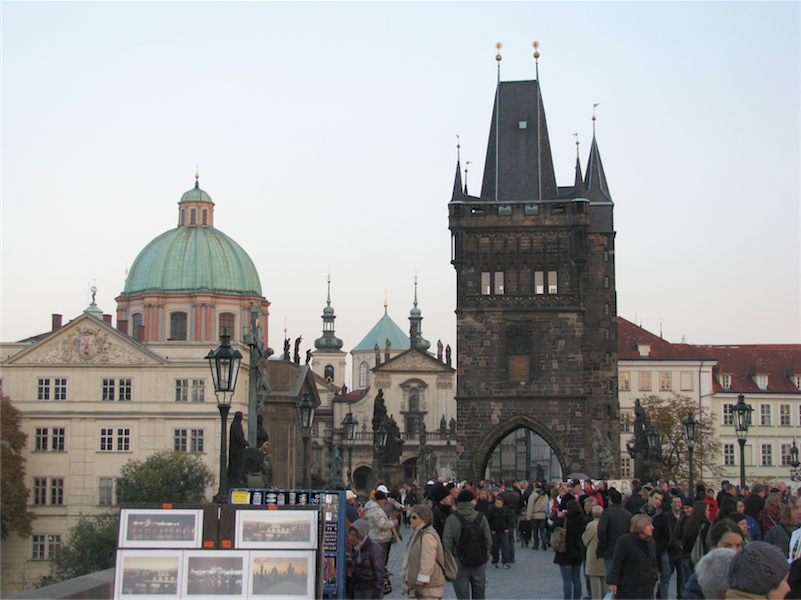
[
  {"x": 423, "y": 435},
  {"x": 448, "y": 355},
  {"x": 602, "y": 450},
  {"x": 392, "y": 450},
  {"x": 439, "y": 350},
  {"x": 336, "y": 462},
  {"x": 343, "y": 392},
  {"x": 287, "y": 355},
  {"x": 308, "y": 356},
  {"x": 443, "y": 426},
  {"x": 261, "y": 433},
  {"x": 452, "y": 426},
  {"x": 387, "y": 350},
  {"x": 297, "y": 349},
  {"x": 377, "y": 355},
  {"x": 641, "y": 421},
  {"x": 379, "y": 410},
  {"x": 236, "y": 452}
]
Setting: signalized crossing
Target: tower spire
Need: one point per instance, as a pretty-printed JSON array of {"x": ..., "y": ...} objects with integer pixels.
[
  {"x": 578, "y": 182},
  {"x": 416, "y": 324},
  {"x": 595, "y": 181},
  {"x": 498, "y": 58},
  {"x": 328, "y": 342}
]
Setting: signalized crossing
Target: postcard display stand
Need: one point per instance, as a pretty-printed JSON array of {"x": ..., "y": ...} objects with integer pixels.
[
  {"x": 208, "y": 551},
  {"x": 333, "y": 542}
]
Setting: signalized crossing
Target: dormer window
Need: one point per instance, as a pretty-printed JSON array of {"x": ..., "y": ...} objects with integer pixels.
[
  {"x": 725, "y": 381},
  {"x": 762, "y": 382},
  {"x": 797, "y": 381},
  {"x": 644, "y": 349}
]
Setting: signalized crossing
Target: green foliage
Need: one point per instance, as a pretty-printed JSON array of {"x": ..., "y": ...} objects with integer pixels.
[
  {"x": 164, "y": 477},
  {"x": 14, "y": 496},
  {"x": 91, "y": 546},
  {"x": 667, "y": 415}
]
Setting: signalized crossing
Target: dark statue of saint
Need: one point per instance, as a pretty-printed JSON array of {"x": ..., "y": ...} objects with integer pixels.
[
  {"x": 379, "y": 410},
  {"x": 443, "y": 426},
  {"x": 452, "y": 426},
  {"x": 336, "y": 462},
  {"x": 439, "y": 350},
  {"x": 236, "y": 452},
  {"x": 377, "y": 351},
  {"x": 448, "y": 355},
  {"x": 392, "y": 451},
  {"x": 308, "y": 356},
  {"x": 261, "y": 433},
  {"x": 297, "y": 349},
  {"x": 286, "y": 355},
  {"x": 641, "y": 422}
]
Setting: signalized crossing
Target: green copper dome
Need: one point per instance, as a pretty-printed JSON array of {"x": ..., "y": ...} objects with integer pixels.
[{"x": 193, "y": 258}]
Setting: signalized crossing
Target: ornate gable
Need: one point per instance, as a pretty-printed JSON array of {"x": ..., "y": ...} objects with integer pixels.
[
  {"x": 413, "y": 361},
  {"x": 86, "y": 341}
]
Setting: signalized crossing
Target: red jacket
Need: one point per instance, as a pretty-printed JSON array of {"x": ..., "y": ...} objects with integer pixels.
[{"x": 713, "y": 507}]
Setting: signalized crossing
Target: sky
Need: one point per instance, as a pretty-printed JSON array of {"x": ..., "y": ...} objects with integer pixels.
[{"x": 326, "y": 135}]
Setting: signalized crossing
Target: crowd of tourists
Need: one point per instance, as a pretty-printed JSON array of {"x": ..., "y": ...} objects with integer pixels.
[{"x": 729, "y": 543}]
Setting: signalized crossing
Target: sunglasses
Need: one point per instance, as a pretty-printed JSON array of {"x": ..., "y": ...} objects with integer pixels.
[{"x": 413, "y": 517}]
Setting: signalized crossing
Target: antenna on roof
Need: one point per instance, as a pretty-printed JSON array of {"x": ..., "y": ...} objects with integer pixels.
[
  {"x": 497, "y": 114},
  {"x": 536, "y": 60}
]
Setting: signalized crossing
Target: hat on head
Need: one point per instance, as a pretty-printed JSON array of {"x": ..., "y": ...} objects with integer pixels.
[
  {"x": 350, "y": 495},
  {"x": 379, "y": 495},
  {"x": 382, "y": 488},
  {"x": 438, "y": 492},
  {"x": 758, "y": 568},
  {"x": 688, "y": 501},
  {"x": 573, "y": 483},
  {"x": 465, "y": 496},
  {"x": 362, "y": 528}
]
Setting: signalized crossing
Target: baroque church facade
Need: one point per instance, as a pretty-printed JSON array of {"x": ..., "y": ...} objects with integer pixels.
[{"x": 535, "y": 278}]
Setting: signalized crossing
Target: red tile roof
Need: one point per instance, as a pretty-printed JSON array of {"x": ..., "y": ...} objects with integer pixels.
[
  {"x": 778, "y": 361},
  {"x": 630, "y": 335}
]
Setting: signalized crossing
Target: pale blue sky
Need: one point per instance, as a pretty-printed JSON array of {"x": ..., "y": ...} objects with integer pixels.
[{"x": 326, "y": 135}]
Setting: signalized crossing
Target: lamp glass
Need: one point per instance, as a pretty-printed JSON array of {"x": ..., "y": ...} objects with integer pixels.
[
  {"x": 742, "y": 417},
  {"x": 305, "y": 409},
  {"x": 224, "y": 363},
  {"x": 690, "y": 429},
  {"x": 653, "y": 438}
]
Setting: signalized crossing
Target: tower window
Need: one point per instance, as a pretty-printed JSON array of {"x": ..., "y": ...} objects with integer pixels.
[
  {"x": 364, "y": 375},
  {"x": 486, "y": 290},
  {"x": 192, "y": 216},
  {"x": 137, "y": 321},
  {"x": 227, "y": 323},
  {"x": 539, "y": 282},
  {"x": 329, "y": 373},
  {"x": 183, "y": 216},
  {"x": 552, "y": 287},
  {"x": 178, "y": 326},
  {"x": 205, "y": 217},
  {"x": 498, "y": 282}
]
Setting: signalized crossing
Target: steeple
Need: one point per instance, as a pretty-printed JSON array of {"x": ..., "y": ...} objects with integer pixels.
[
  {"x": 329, "y": 342},
  {"x": 457, "y": 183},
  {"x": 595, "y": 181},
  {"x": 416, "y": 325},
  {"x": 524, "y": 163}
]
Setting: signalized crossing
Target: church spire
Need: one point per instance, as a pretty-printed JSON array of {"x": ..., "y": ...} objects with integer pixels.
[
  {"x": 329, "y": 342},
  {"x": 578, "y": 183},
  {"x": 416, "y": 325},
  {"x": 595, "y": 181}
]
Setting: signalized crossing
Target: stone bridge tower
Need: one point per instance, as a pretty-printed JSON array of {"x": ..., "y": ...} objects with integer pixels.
[{"x": 535, "y": 271}]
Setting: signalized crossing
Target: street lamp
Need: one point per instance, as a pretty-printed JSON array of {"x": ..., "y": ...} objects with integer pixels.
[
  {"x": 742, "y": 420},
  {"x": 224, "y": 363},
  {"x": 690, "y": 431},
  {"x": 349, "y": 428},
  {"x": 305, "y": 410},
  {"x": 652, "y": 436},
  {"x": 795, "y": 472}
]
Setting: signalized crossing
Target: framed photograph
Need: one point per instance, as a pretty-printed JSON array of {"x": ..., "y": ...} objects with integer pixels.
[
  {"x": 261, "y": 529},
  {"x": 154, "y": 528},
  {"x": 210, "y": 574},
  {"x": 153, "y": 574},
  {"x": 282, "y": 574}
]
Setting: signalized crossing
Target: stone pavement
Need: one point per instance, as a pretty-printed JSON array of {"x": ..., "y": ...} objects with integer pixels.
[{"x": 533, "y": 575}]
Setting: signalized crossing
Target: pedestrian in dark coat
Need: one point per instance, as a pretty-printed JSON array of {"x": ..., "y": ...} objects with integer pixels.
[
  {"x": 570, "y": 560},
  {"x": 614, "y": 523},
  {"x": 634, "y": 568},
  {"x": 366, "y": 561}
]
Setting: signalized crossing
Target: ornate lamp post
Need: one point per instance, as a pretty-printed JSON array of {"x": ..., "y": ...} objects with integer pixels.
[
  {"x": 690, "y": 431},
  {"x": 305, "y": 410},
  {"x": 795, "y": 472},
  {"x": 224, "y": 363},
  {"x": 349, "y": 428},
  {"x": 742, "y": 420},
  {"x": 380, "y": 443},
  {"x": 652, "y": 436}
]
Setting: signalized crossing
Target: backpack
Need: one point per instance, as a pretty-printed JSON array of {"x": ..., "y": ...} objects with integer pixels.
[
  {"x": 559, "y": 539},
  {"x": 472, "y": 547}
]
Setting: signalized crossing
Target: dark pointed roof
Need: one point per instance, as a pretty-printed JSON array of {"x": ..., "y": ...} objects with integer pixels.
[
  {"x": 578, "y": 185},
  {"x": 595, "y": 181},
  {"x": 524, "y": 157},
  {"x": 457, "y": 183}
]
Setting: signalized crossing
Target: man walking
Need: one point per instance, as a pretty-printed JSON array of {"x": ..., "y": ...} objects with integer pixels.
[
  {"x": 468, "y": 537},
  {"x": 615, "y": 522},
  {"x": 672, "y": 557}
]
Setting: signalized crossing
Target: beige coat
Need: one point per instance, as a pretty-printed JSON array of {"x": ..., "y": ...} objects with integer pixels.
[
  {"x": 595, "y": 565},
  {"x": 422, "y": 574},
  {"x": 538, "y": 508}
]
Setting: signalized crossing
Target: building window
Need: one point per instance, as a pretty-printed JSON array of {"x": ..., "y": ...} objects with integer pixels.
[
  {"x": 364, "y": 375},
  {"x": 108, "y": 390},
  {"x": 485, "y": 283},
  {"x": 205, "y": 216},
  {"x": 498, "y": 282},
  {"x": 178, "y": 326},
  {"x": 645, "y": 381},
  {"x": 182, "y": 390},
  {"x": 665, "y": 384},
  {"x": 765, "y": 415},
  {"x": 686, "y": 381},
  {"x": 123, "y": 440},
  {"x": 784, "y": 415},
  {"x": 728, "y": 455},
  {"x": 56, "y": 491},
  {"x": 539, "y": 282},
  {"x": 192, "y": 216},
  {"x": 179, "y": 440},
  {"x": 625, "y": 467},
  {"x": 43, "y": 390},
  {"x": 196, "y": 440},
  {"x": 123, "y": 386},
  {"x": 59, "y": 439},
  {"x": 39, "y": 545},
  {"x": 762, "y": 382},
  {"x": 227, "y": 323},
  {"x": 106, "y": 440},
  {"x": 553, "y": 288},
  {"x": 624, "y": 383},
  {"x": 39, "y": 491},
  {"x": 59, "y": 389},
  {"x": 797, "y": 381},
  {"x": 198, "y": 390},
  {"x": 124, "y": 390},
  {"x": 183, "y": 216},
  {"x": 728, "y": 414},
  {"x": 625, "y": 423},
  {"x": 329, "y": 373},
  {"x": 40, "y": 443},
  {"x": 105, "y": 491},
  {"x": 725, "y": 382},
  {"x": 137, "y": 321},
  {"x": 786, "y": 455},
  {"x": 767, "y": 455}
]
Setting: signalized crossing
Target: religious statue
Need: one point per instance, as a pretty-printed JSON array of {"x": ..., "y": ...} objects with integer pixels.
[
  {"x": 343, "y": 392},
  {"x": 261, "y": 433},
  {"x": 336, "y": 462},
  {"x": 423, "y": 436},
  {"x": 387, "y": 350},
  {"x": 439, "y": 350},
  {"x": 602, "y": 451},
  {"x": 287, "y": 355},
  {"x": 379, "y": 410},
  {"x": 641, "y": 422},
  {"x": 392, "y": 450},
  {"x": 297, "y": 349},
  {"x": 308, "y": 356},
  {"x": 452, "y": 426},
  {"x": 377, "y": 351},
  {"x": 236, "y": 452},
  {"x": 443, "y": 426},
  {"x": 448, "y": 355}
]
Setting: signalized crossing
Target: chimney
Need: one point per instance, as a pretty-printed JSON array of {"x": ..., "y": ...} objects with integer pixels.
[
  {"x": 56, "y": 322},
  {"x": 122, "y": 326},
  {"x": 107, "y": 319}
]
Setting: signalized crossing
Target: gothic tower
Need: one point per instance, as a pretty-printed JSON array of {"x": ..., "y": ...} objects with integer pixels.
[{"x": 536, "y": 336}]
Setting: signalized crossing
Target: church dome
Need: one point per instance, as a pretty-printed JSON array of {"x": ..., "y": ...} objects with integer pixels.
[{"x": 193, "y": 258}]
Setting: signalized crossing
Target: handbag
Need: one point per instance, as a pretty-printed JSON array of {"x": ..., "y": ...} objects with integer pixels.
[
  {"x": 449, "y": 569},
  {"x": 697, "y": 553},
  {"x": 559, "y": 539}
]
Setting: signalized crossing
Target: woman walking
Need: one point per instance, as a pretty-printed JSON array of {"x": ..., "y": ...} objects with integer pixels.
[
  {"x": 423, "y": 564},
  {"x": 570, "y": 560},
  {"x": 634, "y": 569},
  {"x": 594, "y": 567}
]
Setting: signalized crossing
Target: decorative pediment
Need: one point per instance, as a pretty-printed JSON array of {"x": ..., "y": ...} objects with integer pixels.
[
  {"x": 86, "y": 341},
  {"x": 413, "y": 361}
]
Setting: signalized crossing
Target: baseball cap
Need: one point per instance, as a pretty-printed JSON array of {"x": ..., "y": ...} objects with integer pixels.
[
  {"x": 349, "y": 495},
  {"x": 382, "y": 488}
]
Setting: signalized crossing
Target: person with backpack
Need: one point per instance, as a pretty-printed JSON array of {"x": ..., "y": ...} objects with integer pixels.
[{"x": 468, "y": 537}]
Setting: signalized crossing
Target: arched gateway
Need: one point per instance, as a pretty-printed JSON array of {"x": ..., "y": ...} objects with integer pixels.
[{"x": 535, "y": 294}]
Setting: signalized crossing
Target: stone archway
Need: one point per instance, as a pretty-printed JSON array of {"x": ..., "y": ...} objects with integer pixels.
[{"x": 485, "y": 448}]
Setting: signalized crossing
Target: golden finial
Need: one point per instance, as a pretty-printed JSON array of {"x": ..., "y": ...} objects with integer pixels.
[
  {"x": 197, "y": 177},
  {"x": 498, "y": 56},
  {"x": 385, "y": 300},
  {"x": 536, "y": 53},
  {"x": 593, "y": 109},
  {"x": 329, "y": 273}
]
